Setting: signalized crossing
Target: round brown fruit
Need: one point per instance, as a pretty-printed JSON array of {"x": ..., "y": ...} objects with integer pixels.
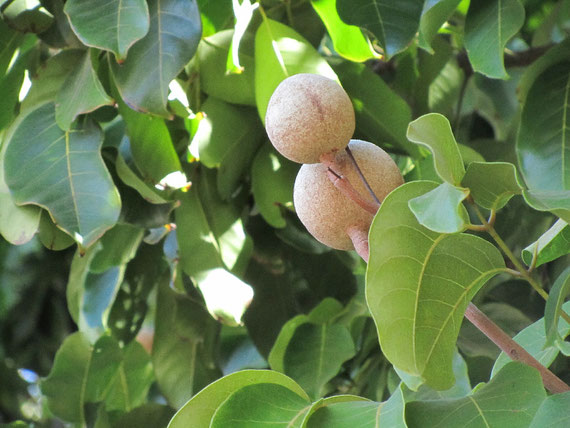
[
  {"x": 328, "y": 214},
  {"x": 309, "y": 115}
]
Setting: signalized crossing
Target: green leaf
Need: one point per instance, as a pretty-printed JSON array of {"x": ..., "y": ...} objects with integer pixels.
[
  {"x": 281, "y": 52},
  {"x": 554, "y": 243},
  {"x": 488, "y": 27},
  {"x": 261, "y": 404},
  {"x": 553, "y": 412},
  {"x": 77, "y": 275},
  {"x": 435, "y": 13},
  {"x": 272, "y": 178},
  {"x": 227, "y": 139},
  {"x": 10, "y": 40},
  {"x": 434, "y": 132},
  {"x": 510, "y": 399},
  {"x": 441, "y": 209},
  {"x": 11, "y": 83},
  {"x": 149, "y": 414},
  {"x": 211, "y": 58},
  {"x": 555, "y": 201},
  {"x": 157, "y": 58},
  {"x": 200, "y": 410},
  {"x": 52, "y": 237},
  {"x": 82, "y": 92},
  {"x": 65, "y": 386},
  {"x": 533, "y": 340},
  {"x": 70, "y": 178},
  {"x": 114, "y": 25},
  {"x": 362, "y": 414},
  {"x": 393, "y": 24},
  {"x": 183, "y": 351},
  {"x": 558, "y": 293},
  {"x": 118, "y": 246},
  {"x": 543, "y": 147},
  {"x": 492, "y": 184},
  {"x": 105, "y": 362},
  {"x": 99, "y": 291},
  {"x": 381, "y": 114},
  {"x": 348, "y": 40},
  {"x": 418, "y": 285},
  {"x": 151, "y": 145},
  {"x": 18, "y": 225},
  {"x": 216, "y": 15}
]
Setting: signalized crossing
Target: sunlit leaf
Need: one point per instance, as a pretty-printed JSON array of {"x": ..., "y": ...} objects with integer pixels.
[
  {"x": 113, "y": 25},
  {"x": 393, "y": 24},
  {"x": 70, "y": 180},
  {"x": 489, "y": 25},
  {"x": 157, "y": 58},
  {"x": 492, "y": 184},
  {"x": 418, "y": 285}
]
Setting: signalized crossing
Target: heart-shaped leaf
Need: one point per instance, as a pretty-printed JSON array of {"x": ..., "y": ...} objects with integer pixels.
[
  {"x": 492, "y": 184},
  {"x": 70, "y": 179},
  {"x": 380, "y": 18},
  {"x": 514, "y": 395},
  {"x": 554, "y": 243},
  {"x": 488, "y": 27},
  {"x": 157, "y": 58},
  {"x": 434, "y": 132},
  {"x": 418, "y": 285},
  {"x": 113, "y": 25}
]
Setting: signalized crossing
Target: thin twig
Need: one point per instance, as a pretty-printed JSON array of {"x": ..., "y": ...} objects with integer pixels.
[
  {"x": 361, "y": 175},
  {"x": 343, "y": 185}
]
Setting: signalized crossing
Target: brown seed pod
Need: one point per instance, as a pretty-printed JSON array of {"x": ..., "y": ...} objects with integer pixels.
[
  {"x": 309, "y": 115},
  {"x": 328, "y": 214}
]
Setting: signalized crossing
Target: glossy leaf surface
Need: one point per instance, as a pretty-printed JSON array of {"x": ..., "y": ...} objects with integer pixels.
[
  {"x": 418, "y": 284},
  {"x": 378, "y": 17},
  {"x": 554, "y": 243},
  {"x": 71, "y": 180},
  {"x": 157, "y": 58},
  {"x": 488, "y": 27}
]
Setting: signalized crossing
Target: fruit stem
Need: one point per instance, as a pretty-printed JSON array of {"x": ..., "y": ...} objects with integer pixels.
[
  {"x": 343, "y": 185},
  {"x": 361, "y": 175},
  {"x": 513, "y": 350}
]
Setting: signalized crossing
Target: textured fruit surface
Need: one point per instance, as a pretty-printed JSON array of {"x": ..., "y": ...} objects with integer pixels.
[
  {"x": 309, "y": 115},
  {"x": 325, "y": 211}
]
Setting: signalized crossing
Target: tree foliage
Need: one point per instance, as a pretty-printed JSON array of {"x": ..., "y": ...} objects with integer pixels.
[{"x": 153, "y": 270}]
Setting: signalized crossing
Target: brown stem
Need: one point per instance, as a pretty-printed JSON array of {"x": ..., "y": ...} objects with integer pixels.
[
  {"x": 516, "y": 352},
  {"x": 343, "y": 184}
]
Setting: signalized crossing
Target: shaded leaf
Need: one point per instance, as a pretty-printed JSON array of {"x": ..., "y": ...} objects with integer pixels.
[
  {"x": 69, "y": 173},
  {"x": 488, "y": 27},
  {"x": 434, "y": 132},
  {"x": 118, "y": 247},
  {"x": 554, "y": 243},
  {"x": 114, "y": 25},
  {"x": 227, "y": 138},
  {"x": 52, "y": 237},
  {"x": 261, "y": 404},
  {"x": 342, "y": 411},
  {"x": 216, "y": 15},
  {"x": 553, "y": 311},
  {"x": 553, "y": 412},
  {"x": 543, "y": 146},
  {"x": 200, "y": 410},
  {"x": 212, "y": 55},
  {"x": 533, "y": 340},
  {"x": 418, "y": 285},
  {"x": 435, "y": 13},
  {"x": 82, "y": 92},
  {"x": 393, "y": 24},
  {"x": 157, "y": 58},
  {"x": 281, "y": 52},
  {"x": 555, "y": 201},
  {"x": 512, "y": 398},
  {"x": 381, "y": 114},
  {"x": 348, "y": 40},
  {"x": 10, "y": 40},
  {"x": 149, "y": 414},
  {"x": 272, "y": 178},
  {"x": 183, "y": 351},
  {"x": 492, "y": 184},
  {"x": 442, "y": 209},
  {"x": 65, "y": 386}
]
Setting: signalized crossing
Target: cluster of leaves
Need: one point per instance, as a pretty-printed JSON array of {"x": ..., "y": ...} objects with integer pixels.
[{"x": 157, "y": 210}]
